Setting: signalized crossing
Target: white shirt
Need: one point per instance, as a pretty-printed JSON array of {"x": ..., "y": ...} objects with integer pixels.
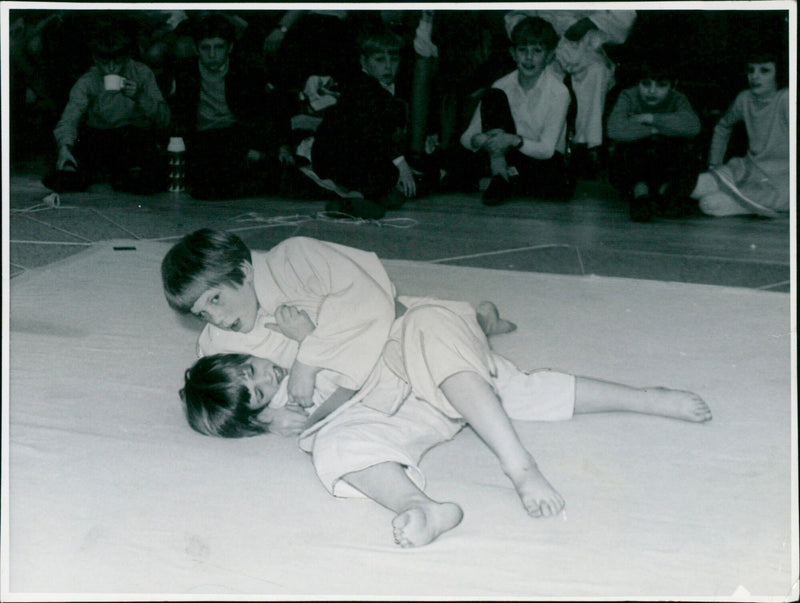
[{"x": 540, "y": 114}]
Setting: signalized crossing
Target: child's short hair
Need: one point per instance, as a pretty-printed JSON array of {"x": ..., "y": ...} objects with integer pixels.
[
  {"x": 534, "y": 30},
  {"x": 378, "y": 38},
  {"x": 110, "y": 41},
  {"x": 657, "y": 70},
  {"x": 215, "y": 398},
  {"x": 214, "y": 26},
  {"x": 200, "y": 261}
]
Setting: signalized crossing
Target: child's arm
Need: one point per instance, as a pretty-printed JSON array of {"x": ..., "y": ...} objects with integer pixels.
[
  {"x": 554, "y": 123},
  {"x": 66, "y": 131},
  {"x": 681, "y": 122},
  {"x": 145, "y": 92},
  {"x": 356, "y": 305},
  {"x": 336, "y": 399},
  {"x": 623, "y": 124},
  {"x": 723, "y": 131}
]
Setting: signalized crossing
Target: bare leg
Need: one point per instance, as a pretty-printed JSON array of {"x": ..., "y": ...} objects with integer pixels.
[
  {"x": 595, "y": 395},
  {"x": 476, "y": 401},
  {"x": 419, "y": 520},
  {"x": 489, "y": 319}
]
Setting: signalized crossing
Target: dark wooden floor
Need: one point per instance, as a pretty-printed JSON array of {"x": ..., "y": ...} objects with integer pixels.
[{"x": 591, "y": 234}]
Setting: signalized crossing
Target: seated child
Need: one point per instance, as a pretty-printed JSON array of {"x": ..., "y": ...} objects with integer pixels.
[
  {"x": 304, "y": 304},
  {"x": 654, "y": 126},
  {"x": 361, "y": 142},
  {"x": 436, "y": 375},
  {"x": 115, "y": 121},
  {"x": 757, "y": 183},
  {"x": 236, "y": 130},
  {"x": 581, "y": 60},
  {"x": 521, "y": 121}
]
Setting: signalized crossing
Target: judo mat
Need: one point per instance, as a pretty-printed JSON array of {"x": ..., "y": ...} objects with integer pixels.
[{"x": 111, "y": 495}]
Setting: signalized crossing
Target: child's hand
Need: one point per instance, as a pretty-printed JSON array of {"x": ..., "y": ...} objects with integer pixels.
[
  {"x": 405, "y": 181},
  {"x": 129, "y": 88},
  {"x": 301, "y": 384},
  {"x": 285, "y": 155},
  {"x": 254, "y": 156},
  {"x": 66, "y": 160},
  {"x": 501, "y": 142},
  {"x": 645, "y": 119},
  {"x": 291, "y": 322},
  {"x": 287, "y": 421}
]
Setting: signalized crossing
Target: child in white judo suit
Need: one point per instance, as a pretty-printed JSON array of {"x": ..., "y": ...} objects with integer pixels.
[
  {"x": 436, "y": 374},
  {"x": 305, "y": 304}
]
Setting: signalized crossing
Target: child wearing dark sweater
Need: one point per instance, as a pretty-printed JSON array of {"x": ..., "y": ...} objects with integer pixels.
[{"x": 653, "y": 126}]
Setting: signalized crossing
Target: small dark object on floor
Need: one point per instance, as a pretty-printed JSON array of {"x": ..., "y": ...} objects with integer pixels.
[{"x": 498, "y": 192}]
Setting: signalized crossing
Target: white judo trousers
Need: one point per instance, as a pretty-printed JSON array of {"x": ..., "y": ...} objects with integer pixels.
[{"x": 402, "y": 413}]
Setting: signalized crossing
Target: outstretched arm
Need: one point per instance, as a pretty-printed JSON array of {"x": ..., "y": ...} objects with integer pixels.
[{"x": 336, "y": 399}]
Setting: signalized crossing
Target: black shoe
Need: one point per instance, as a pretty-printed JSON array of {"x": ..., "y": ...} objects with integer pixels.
[
  {"x": 355, "y": 208},
  {"x": 498, "y": 192},
  {"x": 675, "y": 200},
  {"x": 642, "y": 209}
]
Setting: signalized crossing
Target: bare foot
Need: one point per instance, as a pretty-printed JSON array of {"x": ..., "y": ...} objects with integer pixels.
[
  {"x": 538, "y": 497},
  {"x": 490, "y": 321},
  {"x": 677, "y": 404},
  {"x": 425, "y": 522}
]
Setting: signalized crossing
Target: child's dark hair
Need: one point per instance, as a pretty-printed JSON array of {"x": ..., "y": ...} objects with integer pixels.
[
  {"x": 214, "y": 26},
  {"x": 201, "y": 260},
  {"x": 534, "y": 30},
  {"x": 378, "y": 38},
  {"x": 110, "y": 41},
  {"x": 657, "y": 70},
  {"x": 215, "y": 398},
  {"x": 766, "y": 52}
]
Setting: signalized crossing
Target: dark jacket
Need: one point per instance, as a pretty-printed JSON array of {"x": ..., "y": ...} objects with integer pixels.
[
  {"x": 366, "y": 127},
  {"x": 265, "y": 113}
]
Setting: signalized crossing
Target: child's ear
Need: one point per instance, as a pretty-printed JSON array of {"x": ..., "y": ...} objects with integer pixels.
[
  {"x": 363, "y": 60},
  {"x": 247, "y": 269}
]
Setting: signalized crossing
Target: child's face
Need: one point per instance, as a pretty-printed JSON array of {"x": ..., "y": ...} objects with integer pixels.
[
  {"x": 382, "y": 66},
  {"x": 531, "y": 59},
  {"x": 262, "y": 378},
  {"x": 761, "y": 77},
  {"x": 230, "y": 307},
  {"x": 213, "y": 53},
  {"x": 110, "y": 65},
  {"x": 653, "y": 92}
]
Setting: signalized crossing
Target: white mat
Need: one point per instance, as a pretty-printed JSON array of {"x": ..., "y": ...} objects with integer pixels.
[{"x": 110, "y": 492}]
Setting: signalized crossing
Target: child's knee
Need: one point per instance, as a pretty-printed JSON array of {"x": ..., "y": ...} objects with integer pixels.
[{"x": 719, "y": 204}]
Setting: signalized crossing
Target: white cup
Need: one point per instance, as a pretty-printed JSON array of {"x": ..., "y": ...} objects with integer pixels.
[{"x": 113, "y": 82}]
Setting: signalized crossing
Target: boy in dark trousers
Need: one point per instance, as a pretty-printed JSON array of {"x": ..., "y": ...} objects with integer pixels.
[
  {"x": 361, "y": 142},
  {"x": 114, "y": 122},
  {"x": 654, "y": 127}
]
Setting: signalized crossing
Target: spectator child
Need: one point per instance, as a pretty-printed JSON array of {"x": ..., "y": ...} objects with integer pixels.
[
  {"x": 115, "y": 126},
  {"x": 581, "y": 56},
  {"x": 436, "y": 374},
  {"x": 654, "y": 126},
  {"x": 521, "y": 121},
  {"x": 236, "y": 131},
  {"x": 757, "y": 183},
  {"x": 361, "y": 142}
]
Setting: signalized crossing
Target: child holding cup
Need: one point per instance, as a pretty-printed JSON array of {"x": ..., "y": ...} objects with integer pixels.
[{"x": 113, "y": 121}]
